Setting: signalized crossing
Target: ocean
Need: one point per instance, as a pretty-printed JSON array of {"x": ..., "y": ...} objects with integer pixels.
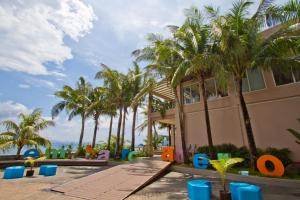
[{"x": 55, "y": 145}]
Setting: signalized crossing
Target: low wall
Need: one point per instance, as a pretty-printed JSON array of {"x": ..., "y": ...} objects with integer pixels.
[{"x": 62, "y": 162}]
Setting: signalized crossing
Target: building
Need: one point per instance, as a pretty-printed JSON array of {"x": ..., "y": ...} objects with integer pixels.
[{"x": 272, "y": 98}]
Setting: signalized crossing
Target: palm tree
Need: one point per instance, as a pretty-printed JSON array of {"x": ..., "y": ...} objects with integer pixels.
[
  {"x": 112, "y": 112},
  {"x": 99, "y": 106},
  {"x": 165, "y": 62},
  {"x": 242, "y": 47},
  {"x": 114, "y": 82},
  {"x": 25, "y": 133},
  {"x": 138, "y": 82},
  {"x": 75, "y": 102},
  {"x": 199, "y": 59},
  {"x": 127, "y": 86}
]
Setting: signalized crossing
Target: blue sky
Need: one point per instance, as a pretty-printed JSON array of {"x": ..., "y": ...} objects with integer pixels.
[{"x": 46, "y": 44}]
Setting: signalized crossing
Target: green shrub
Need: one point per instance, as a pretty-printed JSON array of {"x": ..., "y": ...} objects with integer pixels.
[
  {"x": 282, "y": 154},
  {"x": 243, "y": 152}
]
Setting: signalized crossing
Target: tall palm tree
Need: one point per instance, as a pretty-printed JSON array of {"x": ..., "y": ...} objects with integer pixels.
[
  {"x": 139, "y": 80},
  {"x": 164, "y": 62},
  {"x": 75, "y": 102},
  {"x": 114, "y": 82},
  {"x": 25, "y": 133},
  {"x": 112, "y": 112},
  {"x": 242, "y": 47},
  {"x": 127, "y": 86},
  {"x": 98, "y": 106},
  {"x": 199, "y": 59}
]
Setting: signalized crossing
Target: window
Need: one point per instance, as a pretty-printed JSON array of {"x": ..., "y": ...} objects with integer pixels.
[
  {"x": 254, "y": 80},
  {"x": 191, "y": 94},
  {"x": 213, "y": 91},
  {"x": 288, "y": 76}
]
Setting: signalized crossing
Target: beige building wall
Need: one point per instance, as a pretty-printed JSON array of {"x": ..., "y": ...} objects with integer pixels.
[{"x": 272, "y": 111}]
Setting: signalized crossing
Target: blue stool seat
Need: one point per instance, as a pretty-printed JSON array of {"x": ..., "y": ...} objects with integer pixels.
[
  {"x": 48, "y": 170},
  {"x": 251, "y": 192},
  {"x": 14, "y": 172},
  {"x": 199, "y": 189},
  {"x": 233, "y": 186}
]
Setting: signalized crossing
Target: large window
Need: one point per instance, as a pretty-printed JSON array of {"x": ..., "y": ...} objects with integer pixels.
[
  {"x": 287, "y": 76},
  {"x": 254, "y": 80},
  {"x": 191, "y": 94},
  {"x": 213, "y": 91}
]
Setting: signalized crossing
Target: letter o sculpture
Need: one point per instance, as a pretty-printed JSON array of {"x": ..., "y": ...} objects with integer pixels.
[
  {"x": 168, "y": 154},
  {"x": 278, "y": 166}
]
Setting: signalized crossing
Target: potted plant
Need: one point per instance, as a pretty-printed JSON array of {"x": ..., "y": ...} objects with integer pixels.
[
  {"x": 222, "y": 166},
  {"x": 29, "y": 162}
]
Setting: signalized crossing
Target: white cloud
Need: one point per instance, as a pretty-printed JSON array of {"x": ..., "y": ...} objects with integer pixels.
[
  {"x": 32, "y": 32},
  {"x": 40, "y": 83},
  {"x": 10, "y": 109},
  {"x": 24, "y": 86}
]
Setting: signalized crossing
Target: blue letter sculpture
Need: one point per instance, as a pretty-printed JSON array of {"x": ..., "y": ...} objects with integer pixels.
[{"x": 200, "y": 161}]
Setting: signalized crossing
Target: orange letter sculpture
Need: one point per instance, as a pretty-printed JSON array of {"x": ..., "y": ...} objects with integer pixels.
[
  {"x": 168, "y": 154},
  {"x": 278, "y": 166}
]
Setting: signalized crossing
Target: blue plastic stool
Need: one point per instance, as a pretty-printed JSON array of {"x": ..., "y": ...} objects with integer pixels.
[
  {"x": 14, "y": 172},
  {"x": 48, "y": 170},
  {"x": 233, "y": 186},
  {"x": 251, "y": 192},
  {"x": 200, "y": 161},
  {"x": 124, "y": 154},
  {"x": 199, "y": 189}
]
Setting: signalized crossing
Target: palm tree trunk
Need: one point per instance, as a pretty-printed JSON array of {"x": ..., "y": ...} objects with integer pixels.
[
  {"x": 247, "y": 123},
  {"x": 82, "y": 130},
  {"x": 133, "y": 128},
  {"x": 181, "y": 125},
  {"x": 19, "y": 152},
  {"x": 155, "y": 137},
  {"x": 207, "y": 120},
  {"x": 109, "y": 133},
  {"x": 117, "y": 153},
  {"x": 169, "y": 131},
  {"x": 123, "y": 128},
  {"x": 95, "y": 129}
]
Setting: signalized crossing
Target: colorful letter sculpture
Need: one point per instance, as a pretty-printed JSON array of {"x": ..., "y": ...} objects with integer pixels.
[
  {"x": 62, "y": 153},
  {"x": 278, "y": 166},
  {"x": 90, "y": 151},
  {"x": 54, "y": 153},
  {"x": 168, "y": 154},
  {"x": 124, "y": 154},
  {"x": 103, "y": 155},
  {"x": 199, "y": 189},
  {"x": 200, "y": 161},
  {"x": 31, "y": 153},
  {"x": 132, "y": 155},
  {"x": 223, "y": 156}
]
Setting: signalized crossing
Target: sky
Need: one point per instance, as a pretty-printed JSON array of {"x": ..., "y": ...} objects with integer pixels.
[{"x": 46, "y": 44}]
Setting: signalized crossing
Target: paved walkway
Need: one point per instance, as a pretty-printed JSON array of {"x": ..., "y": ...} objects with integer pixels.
[
  {"x": 173, "y": 185},
  {"x": 115, "y": 183}
]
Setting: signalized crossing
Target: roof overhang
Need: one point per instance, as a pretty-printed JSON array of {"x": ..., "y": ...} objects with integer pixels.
[{"x": 164, "y": 90}]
